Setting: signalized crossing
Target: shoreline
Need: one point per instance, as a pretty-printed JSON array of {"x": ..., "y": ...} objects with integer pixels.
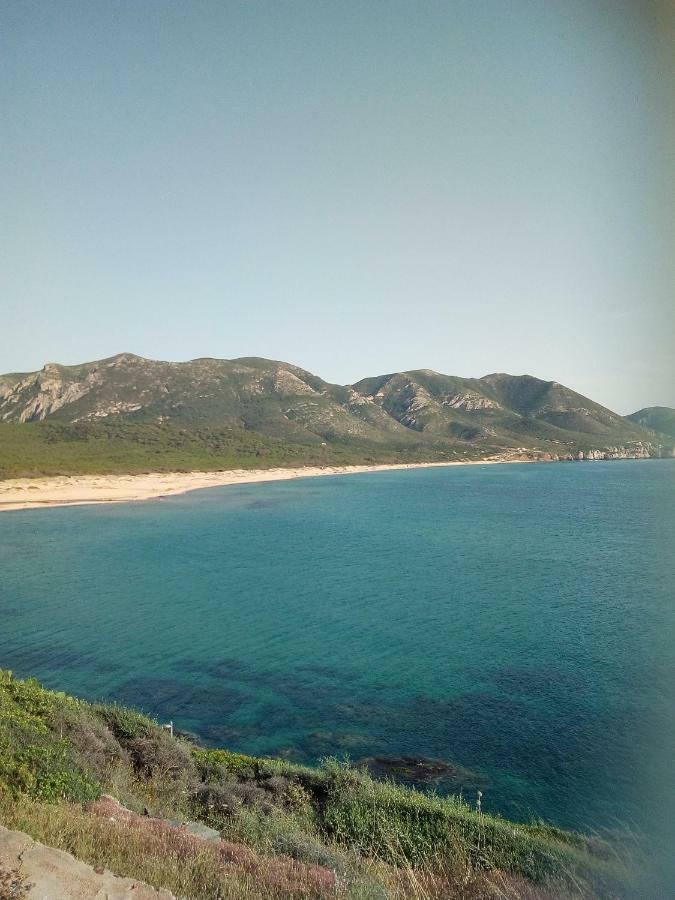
[{"x": 84, "y": 490}]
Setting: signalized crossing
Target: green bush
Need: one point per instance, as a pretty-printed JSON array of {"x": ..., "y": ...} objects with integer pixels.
[
  {"x": 217, "y": 765},
  {"x": 33, "y": 759},
  {"x": 125, "y": 724},
  {"x": 42, "y": 766}
]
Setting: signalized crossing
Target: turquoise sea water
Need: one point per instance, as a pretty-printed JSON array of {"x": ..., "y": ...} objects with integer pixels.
[{"x": 515, "y": 619}]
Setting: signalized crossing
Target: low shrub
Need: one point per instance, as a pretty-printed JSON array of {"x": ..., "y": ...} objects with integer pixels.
[
  {"x": 217, "y": 801},
  {"x": 125, "y": 724},
  {"x": 156, "y": 753},
  {"x": 34, "y": 760},
  {"x": 42, "y": 766},
  {"x": 218, "y": 765},
  {"x": 92, "y": 741}
]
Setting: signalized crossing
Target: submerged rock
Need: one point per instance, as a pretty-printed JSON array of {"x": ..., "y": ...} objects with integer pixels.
[{"x": 418, "y": 770}]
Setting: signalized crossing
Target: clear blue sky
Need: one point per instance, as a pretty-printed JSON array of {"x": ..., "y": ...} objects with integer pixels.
[{"x": 355, "y": 187}]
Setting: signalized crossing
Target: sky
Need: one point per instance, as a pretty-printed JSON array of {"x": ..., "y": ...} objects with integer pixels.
[{"x": 355, "y": 187}]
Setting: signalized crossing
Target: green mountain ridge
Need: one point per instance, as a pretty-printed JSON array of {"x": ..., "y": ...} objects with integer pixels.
[
  {"x": 660, "y": 419},
  {"x": 414, "y": 415}
]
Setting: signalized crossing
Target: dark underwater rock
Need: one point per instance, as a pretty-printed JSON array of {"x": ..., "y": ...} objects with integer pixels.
[{"x": 418, "y": 770}]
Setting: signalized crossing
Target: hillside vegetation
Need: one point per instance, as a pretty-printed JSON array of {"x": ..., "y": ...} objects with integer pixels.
[
  {"x": 132, "y": 414},
  {"x": 51, "y": 448},
  {"x": 285, "y": 830},
  {"x": 660, "y": 419}
]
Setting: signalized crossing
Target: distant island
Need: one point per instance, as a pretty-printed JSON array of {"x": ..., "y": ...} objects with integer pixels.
[{"x": 127, "y": 414}]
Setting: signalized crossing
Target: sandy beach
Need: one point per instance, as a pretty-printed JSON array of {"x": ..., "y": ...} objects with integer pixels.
[{"x": 77, "y": 490}]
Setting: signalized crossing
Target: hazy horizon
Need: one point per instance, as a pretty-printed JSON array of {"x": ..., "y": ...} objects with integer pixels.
[{"x": 352, "y": 188}]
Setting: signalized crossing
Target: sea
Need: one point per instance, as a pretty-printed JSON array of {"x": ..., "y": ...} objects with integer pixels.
[{"x": 502, "y": 628}]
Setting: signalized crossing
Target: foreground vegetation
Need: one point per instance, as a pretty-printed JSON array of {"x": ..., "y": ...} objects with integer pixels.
[
  {"x": 37, "y": 448},
  {"x": 287, "y": 830}
]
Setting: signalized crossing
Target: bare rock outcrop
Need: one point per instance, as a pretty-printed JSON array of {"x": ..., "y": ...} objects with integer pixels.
[
  {"x": 50, "y": 874},
  {"x": 470, "y": 401}
]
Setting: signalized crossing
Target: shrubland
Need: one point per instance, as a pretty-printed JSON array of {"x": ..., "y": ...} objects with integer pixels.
[{"x": 36, "y": 449}]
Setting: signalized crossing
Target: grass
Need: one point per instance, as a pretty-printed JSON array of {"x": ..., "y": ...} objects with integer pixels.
[
  {"x": 164, "y": 859},
  {"x": 289, "y": 831}
]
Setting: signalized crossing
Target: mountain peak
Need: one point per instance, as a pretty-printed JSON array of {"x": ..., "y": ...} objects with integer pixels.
[{"x": 121, "y": 359}]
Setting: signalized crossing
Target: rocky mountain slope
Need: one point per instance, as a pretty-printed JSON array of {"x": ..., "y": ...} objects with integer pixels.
[
  {"x": 496, "y": 413},
  {"x": 262, "y": 395},
  {"x": 496, "y": 408}
]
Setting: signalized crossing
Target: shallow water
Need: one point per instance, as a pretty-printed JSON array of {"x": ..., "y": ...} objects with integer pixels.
[{"x": 516, "y": 620}]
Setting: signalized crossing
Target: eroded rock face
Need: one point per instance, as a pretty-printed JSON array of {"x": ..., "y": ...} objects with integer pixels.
[
  {"x": 104, "y": 410},
  {"x": 356, "y": 399},
  {"x": 53, "y": 394},
  {"x": 39, "y": 395},
  {"x": 52, "y": 874},
  {"x": 286, "y": 382},
  {"x": 52, "y": 397},
  {"x": 416, "y": 404},
  {"x": 634, "y": 451},
  {"x": 470, "y": 401}
]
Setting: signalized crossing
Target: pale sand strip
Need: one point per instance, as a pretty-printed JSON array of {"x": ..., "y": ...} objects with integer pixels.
[{"x": 76, "y": 490}]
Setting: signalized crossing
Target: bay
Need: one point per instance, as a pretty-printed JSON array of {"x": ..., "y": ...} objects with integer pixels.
[{"x": 516, "y": 620}]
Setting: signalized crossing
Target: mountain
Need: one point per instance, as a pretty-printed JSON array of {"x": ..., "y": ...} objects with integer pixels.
[
  {"x": 657, "y": 418},
  {"x": 267, "y": 396},
  {"x": 422, "y": 413},
  {"x": 496, "y": 409}
]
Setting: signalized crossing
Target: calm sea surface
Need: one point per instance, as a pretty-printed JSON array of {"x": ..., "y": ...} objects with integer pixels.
[{"x": 516, "y": 620}]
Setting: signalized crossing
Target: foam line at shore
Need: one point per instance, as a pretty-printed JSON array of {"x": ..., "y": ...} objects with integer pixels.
[{"x": 78, "y": 490}]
